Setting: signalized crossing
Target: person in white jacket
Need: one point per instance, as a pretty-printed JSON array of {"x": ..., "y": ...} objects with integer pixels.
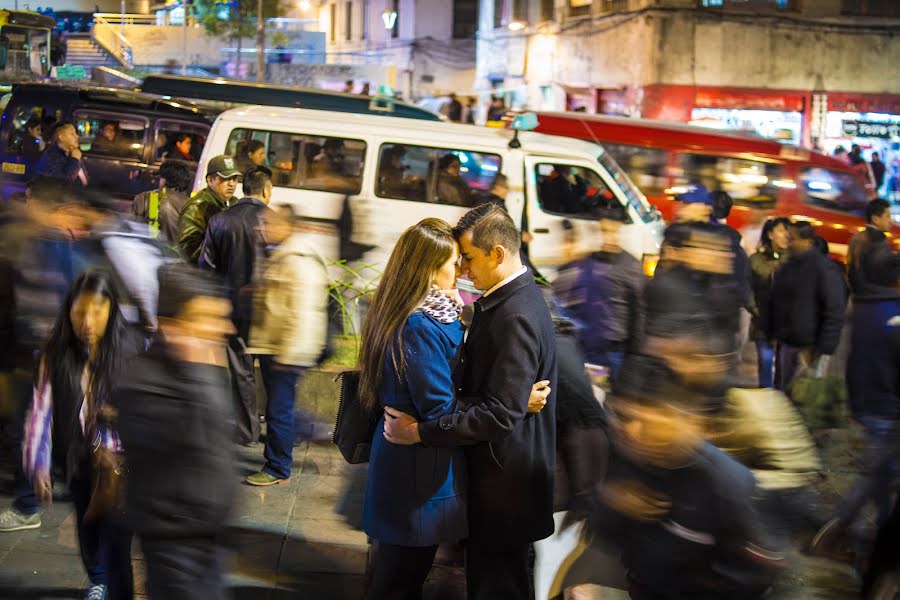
[{"x": 288, "y": 333}]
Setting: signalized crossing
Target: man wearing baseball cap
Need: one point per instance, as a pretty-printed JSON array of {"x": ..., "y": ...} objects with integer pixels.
[{"x": 222, "y": 176}]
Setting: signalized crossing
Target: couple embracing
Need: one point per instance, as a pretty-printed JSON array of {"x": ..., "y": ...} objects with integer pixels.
[{"x": 465, "y": 449}]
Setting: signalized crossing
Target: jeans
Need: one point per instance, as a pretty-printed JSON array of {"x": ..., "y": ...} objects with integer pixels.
[
  {"x": 786, "y": 363},
  {"x": 280, "y": 382},
  {"x": 882, "y": 466},
  {"x": 765, "y": 363},
  {"x": 105, "y": 544}
]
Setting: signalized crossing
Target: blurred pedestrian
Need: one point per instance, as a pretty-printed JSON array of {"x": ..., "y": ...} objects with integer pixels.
[
  {"x": 864, "y": 244},
  {"x": 70, "y": 425},
  {"x": 603, "y": 292},
  {"x": 510, "y": 454},
  {"x": 175, "y": 426},
  {"x": 222, "y": 177},
  {"x": 234, "y": 248},
  {"x": 288, "y": 334},
  {"x": 878, "y": 170},
  {"x": 62, "y": 158},
  {"x": 859, "y": 164},
  {"x": 454, "y": 109},
  {"x": 771, "y": 255},
  {"x": 806, "y": 308},
  {"x": 161, "y": 208}
]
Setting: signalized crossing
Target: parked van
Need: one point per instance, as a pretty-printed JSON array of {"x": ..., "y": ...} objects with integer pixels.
[
  {"x": 146, "y": 128},
  {"x": 395, "y": 172},
  {"x": 764, "y": 177}
]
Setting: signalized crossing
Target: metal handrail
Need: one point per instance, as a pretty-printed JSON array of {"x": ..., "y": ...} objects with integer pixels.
[
  {"x": 106, "y": 36},
  {"x": 119, "y": 18}
]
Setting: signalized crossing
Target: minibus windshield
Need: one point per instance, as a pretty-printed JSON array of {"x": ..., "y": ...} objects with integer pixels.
[{"x": 634, "y": 195}]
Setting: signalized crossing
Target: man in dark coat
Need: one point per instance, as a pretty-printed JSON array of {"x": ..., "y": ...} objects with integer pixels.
[
  {"x": 174, "y": 424},
  {"x": 233, "y": 247},
  {"x": 62, "y": 158},
  {"x": 222, "y": 176},
  {"x": 863, "y": 245},
  {"x": 509, "y": 453},
  {"x": 806, "y": 307}
]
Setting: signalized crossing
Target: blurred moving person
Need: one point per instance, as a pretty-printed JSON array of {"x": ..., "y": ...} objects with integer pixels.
[
  {"x": 774, "y": 243},
  {"x": 864, "y": 244},
  {"x": 174, "y": 419},
  {"x": 71, "y": 423},
  {"x": 222, "y": 177},
  {"x": 806, "y": 308},
  {"x": 234, "y": 248},
  {"x": 603, "y": 293},
  {"x": 161, "y": 208},
  {"x": 678, "y": 507},
  {"x": 288, "y": 334}
]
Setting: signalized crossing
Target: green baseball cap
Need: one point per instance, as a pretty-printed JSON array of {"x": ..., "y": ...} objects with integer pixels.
[{"x": 223, "y": 166}]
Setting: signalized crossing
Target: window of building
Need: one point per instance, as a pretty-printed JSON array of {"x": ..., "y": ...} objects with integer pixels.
[
  {"x": 434, "y": 175},
  {"x": 871, "y": 8},
  {"x": 348, "y": 21},
  {"x": 572, "y": 191},
  {"x": 834, "y": 190},
  {"x": 111, "y": 134},
  {"x": 580, "y": 8},
  {"x": 645, "y": 166},
  {"x": 332, "y": 34},
  {"x": 465, "y": 18},
  {"x": 749, "y": 182},
  {"x": 309, "y": 162},
  {"x": 178, "y": 140},
  {"x": 750, "y": 4}
]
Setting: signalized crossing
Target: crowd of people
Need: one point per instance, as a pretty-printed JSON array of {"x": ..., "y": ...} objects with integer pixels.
[{"x": 136, "y": 339}]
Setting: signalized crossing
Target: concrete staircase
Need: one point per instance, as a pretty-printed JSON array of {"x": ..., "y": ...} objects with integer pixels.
[{"x": 81, "y": 50}]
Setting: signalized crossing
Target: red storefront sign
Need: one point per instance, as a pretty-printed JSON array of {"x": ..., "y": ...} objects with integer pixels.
[
  {"x": 731, "y": 98},
  {"x": 864, "y": 103}
]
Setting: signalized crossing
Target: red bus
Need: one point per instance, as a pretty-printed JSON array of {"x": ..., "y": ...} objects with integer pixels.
[{"x": 765, "y": 178}]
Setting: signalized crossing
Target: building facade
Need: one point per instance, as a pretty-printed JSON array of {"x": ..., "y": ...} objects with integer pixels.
[
  {"x": 804, "y": 71},
  {"x": 429, "y": 45}
]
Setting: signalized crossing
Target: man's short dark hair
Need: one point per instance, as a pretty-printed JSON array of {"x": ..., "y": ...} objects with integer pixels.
[
  {"x": 57, "y": 129},
  {"x": 722, "y": 204},
  {"x": 180, "y": 137},
  {"x": 179, "y": 283},
  {"x": 490, "y": 226},
  {"x": 177, "y": 174},
  {"x": 803, "y": 230},
  {"x": 876, "y": 208},
  {"x": 255, "y": 180}
]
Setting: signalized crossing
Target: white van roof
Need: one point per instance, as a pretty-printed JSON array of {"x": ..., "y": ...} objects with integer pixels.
[{"x": 413, "y": 131}]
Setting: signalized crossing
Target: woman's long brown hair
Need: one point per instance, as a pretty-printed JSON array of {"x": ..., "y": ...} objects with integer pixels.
[{"x": 420, "y": 251}]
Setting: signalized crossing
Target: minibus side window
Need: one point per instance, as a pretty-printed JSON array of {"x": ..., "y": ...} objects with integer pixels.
[
  {"x": 750, "y": 183},
  {"x": 572, "y": 191},
  {"x": 645, "y": 166},
  {"x": 177, "y": 140},
  {"x": 435, "y": 175},
  {"x": 30, "y": 130},
  {"x": 113, "y": 135},
  {"x": 304, "y": 161},
  {"x": 834, "y": 190}
]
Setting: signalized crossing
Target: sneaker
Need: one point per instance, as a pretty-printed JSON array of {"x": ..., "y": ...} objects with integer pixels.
[
  {"x": 263, "y": 479},
  {"x": 13, "y": 520},
  {"x": 96, "y": 592}
]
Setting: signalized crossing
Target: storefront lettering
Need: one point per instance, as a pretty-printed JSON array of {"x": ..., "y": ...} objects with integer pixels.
[{"x": 870, "y": 129}]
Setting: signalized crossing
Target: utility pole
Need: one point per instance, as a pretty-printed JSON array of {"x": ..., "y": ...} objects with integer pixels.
[{"x": 260, "y": 43}]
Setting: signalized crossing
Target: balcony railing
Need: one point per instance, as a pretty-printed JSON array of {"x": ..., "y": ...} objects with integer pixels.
[{"x": 109, "y": 37}]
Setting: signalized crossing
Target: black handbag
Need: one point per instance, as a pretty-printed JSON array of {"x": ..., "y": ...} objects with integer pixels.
[{"x": 353, "y": 426}]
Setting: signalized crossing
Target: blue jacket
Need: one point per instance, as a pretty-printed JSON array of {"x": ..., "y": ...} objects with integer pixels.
[
  {"x": 415, "y": 496},
  {"x": 56, "y": 163}
]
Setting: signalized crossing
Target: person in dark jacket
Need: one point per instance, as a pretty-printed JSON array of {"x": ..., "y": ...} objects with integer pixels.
[
  {"x": 510, "y": 453},
  {"x": 174, "y": 423},
  {"x": 864, "y": 243},
  {"x": 454, "y": 109},
  {"x": 873, "y": 385},
  {"x": 603, "y": 293},
  {"x": 878, "y": 170},
  {"x": 161, "y": 207},
  {"x": 771, "y": 256},
  {"x": 806, "y": 307},
  {"x": 62, "y": 158},
  {"x": 222, "y": 176},
  {"x": 722, "y": 203},
  {"x": 233, "y": 248}
]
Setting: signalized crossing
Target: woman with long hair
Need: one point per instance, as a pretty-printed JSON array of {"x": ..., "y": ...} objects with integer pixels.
[
  {"x": 69, "y": 422},
  {"x": 415, "y": 496},
  {"x": 770, "y": 255}
]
